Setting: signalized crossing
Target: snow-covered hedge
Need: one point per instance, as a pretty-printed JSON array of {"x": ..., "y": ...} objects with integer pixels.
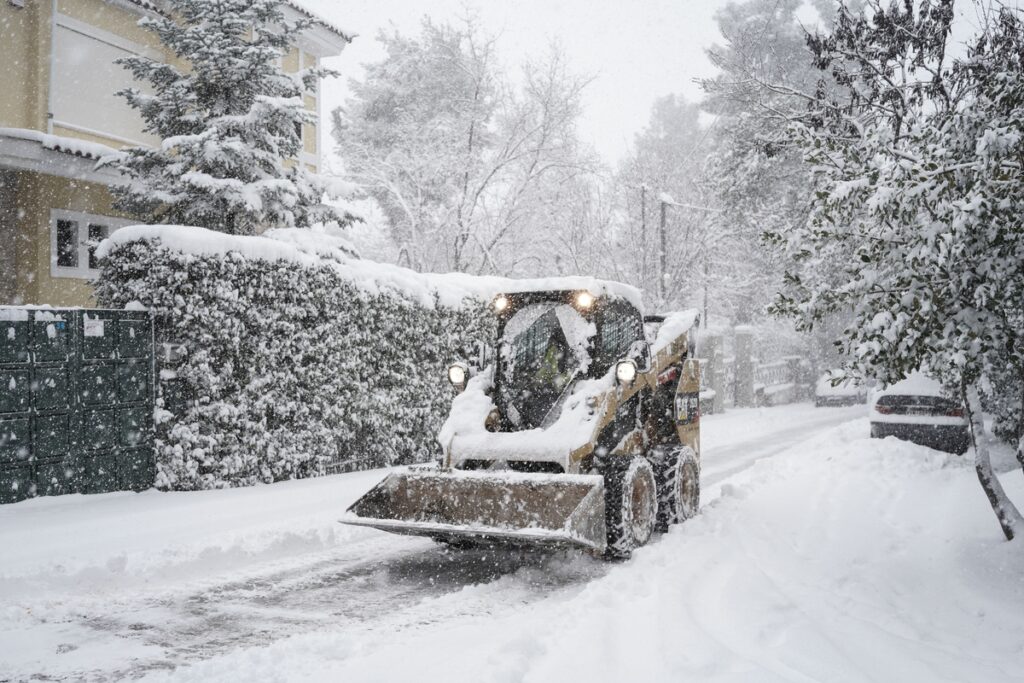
[{"x": 298, "y": 359}]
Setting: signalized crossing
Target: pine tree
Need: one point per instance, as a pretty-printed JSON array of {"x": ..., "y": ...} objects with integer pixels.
[{"x": 228, "y": 123}]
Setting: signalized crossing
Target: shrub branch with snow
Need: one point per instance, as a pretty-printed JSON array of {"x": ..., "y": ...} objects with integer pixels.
[
  {"x": 293, "y": 366},
  {"x": 916, "y": 219}
]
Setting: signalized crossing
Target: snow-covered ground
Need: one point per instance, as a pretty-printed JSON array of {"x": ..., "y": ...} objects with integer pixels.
[{"x": 819, "y": 554}]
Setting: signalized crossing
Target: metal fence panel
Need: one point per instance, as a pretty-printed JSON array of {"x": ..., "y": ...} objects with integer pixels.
[{"x": 76, "y": 401}]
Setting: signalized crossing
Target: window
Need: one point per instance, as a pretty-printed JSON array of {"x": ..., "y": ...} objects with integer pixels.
[
  {"x": 619, "y": 329},
  {"x": 73, "y": 240},
  {"x": 67, "y": 244},
  {"x": 84, "y": 80}
]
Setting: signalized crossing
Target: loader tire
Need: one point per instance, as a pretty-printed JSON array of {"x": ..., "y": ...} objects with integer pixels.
[
  {"x": 678, "y": 475},
  {"x": 630, "y": 504}
]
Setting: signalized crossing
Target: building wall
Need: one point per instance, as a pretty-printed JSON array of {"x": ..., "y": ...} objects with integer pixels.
[
  {"x": 108, "y": 17},
  {"x": 8, "y": 237},
  {"x": 24, "y": 54},
  {"x": 26, "y": 49},
  {"x": 36, "y": 196}
]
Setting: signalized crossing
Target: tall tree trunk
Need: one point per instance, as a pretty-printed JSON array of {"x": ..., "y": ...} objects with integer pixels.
[
  {"x": 1006, "y": 512},
  {"x": 1020, "y": 426}
]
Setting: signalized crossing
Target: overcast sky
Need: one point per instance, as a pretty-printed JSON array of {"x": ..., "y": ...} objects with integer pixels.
[{"x": 636, "y": 51}]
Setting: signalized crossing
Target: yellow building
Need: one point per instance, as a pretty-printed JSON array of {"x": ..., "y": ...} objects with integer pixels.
[{"x": 59, "y": 115}]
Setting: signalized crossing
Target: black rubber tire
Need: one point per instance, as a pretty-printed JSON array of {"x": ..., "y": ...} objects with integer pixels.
[
  {"x": 630, "y": 504},
  {"x": 678, "y": 474}
]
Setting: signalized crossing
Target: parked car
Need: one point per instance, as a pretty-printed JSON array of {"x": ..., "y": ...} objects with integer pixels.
[
  {"x": 917, "y": 410},
  {"x": 846, "y": 392}
]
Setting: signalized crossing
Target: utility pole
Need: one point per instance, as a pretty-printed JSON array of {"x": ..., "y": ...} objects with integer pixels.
[
  {"x": 662, "y": 255},
  {"x": 643, "y": 232},
  {"x": 704, "y": 317}
]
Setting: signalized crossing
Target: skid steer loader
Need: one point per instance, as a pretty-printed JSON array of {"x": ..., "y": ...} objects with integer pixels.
[{"x": 582, "y": 431}]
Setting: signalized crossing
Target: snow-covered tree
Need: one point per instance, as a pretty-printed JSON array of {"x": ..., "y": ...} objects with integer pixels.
[
  {"x": 662, "y": 237},
  {"x": 917, "y": 222},
  {"x": 461, "y": 160},
  {"x": 755, "y": 174},
  {"x": 228, "y": 121}
]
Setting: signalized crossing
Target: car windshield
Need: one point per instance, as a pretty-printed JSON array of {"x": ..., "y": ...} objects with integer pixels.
[{"x": 545, "y": 346}]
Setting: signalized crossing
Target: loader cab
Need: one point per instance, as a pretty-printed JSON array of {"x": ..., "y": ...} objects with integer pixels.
[{"x": 548, "y": 341}]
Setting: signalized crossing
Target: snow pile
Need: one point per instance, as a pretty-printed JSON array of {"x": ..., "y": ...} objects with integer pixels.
[
  {"x": 846, "y": 559},
  {"x": 464, "y": 434},
  {"x": 916, "y": 384}
]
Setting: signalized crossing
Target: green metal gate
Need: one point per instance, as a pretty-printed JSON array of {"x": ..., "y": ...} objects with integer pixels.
[{"x": 76, "y": 401}]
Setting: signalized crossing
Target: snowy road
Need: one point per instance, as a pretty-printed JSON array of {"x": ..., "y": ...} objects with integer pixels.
[
  {"x": 733, "y": 441},
  {"x": 276, "y": 565}
]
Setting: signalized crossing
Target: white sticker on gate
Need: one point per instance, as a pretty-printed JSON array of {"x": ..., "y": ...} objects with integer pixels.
[{"x": 93, "y": 327}]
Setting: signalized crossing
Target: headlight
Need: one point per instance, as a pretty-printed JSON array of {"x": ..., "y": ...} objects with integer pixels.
[
  {"x": 501, "y": 303},
  {"x": 584, "y": 300},
  {"x": 625, "y": 372},
  {"x": 458, "y": 374}
]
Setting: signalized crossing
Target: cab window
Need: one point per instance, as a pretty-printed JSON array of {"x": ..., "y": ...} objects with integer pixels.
[{"x": 620, "y": 327}]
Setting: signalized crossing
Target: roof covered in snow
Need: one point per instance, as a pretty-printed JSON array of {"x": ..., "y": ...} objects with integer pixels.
[
  {"x": 317, "y": 19},
  {"x": 79, "y": 148},
  {"x": 152, "y": 6},
  {"x": 38, "y": 152}
]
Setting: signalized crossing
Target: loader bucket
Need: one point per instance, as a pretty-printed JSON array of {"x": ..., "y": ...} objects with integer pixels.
[{"x": 504, "y": 507}]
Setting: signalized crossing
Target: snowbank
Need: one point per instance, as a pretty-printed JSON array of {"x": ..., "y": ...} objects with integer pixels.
[
  {"x": 99, "y": 540},
  {"x": 846, "y": 559}
]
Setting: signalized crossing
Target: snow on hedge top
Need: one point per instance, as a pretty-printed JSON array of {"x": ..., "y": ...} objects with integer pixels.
[{"x": 315, "y": 248}]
